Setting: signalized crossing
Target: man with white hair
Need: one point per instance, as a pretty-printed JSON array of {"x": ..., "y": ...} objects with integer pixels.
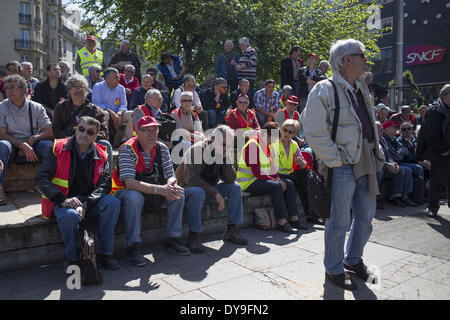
[
  {"x": 324, "y": 65},
  {"x": 129, "y": 81},
  {"x": 246, "y": 66},
  {"x": 224, "y": 68},
  {"x": 65, "y": 70},
  {"x": 94, "y": 76},
  {"x": 354, "y": 157},
  {"x": 27, "y": 71},
  {"x": 124, "y": 57}
]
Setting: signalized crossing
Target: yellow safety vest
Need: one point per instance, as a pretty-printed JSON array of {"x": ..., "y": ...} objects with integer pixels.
[
  {"x": 87, "y": 59},
  {"x": 284, "y": 163},
  {"x": 244, "y": 175}
]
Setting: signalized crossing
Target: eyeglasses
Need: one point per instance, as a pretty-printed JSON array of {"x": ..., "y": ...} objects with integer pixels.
[
  {"x": 406, "y": 129},
  {"x": 362, "y": 55},
  {"x": 186, "y": 100},
  {"x": 98, "y": 71},
  {"x": 90, "y": 132},
  {"x": 12, "y": 88},
  {"x": 77, "y": 88},
  {"x": 288, "y": 131},
  {"x": 244, "y": 102},
  {"x": 224, "y": 87}
]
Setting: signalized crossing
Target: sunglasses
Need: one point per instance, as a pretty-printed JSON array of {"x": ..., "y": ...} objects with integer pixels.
[
  {"x": 245, "y": 101},
  {"x": 186, "y": 100},
  {"x": 362, "y": 55},
  {"x": 406, "y": 129},
  {"x": 90, "y": 132},
  {"x": 288, "y": 131},
  {"x": 12, "y": 88}
]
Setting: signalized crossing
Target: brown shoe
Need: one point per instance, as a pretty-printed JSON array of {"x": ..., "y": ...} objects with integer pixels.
[
  {"x": 234, "y": 236},
  {"x": 342, "y": 280},
  {"x": 3, "y": 199}
]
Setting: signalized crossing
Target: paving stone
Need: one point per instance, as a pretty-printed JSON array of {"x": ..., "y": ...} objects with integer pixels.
[{"x": 191, "y": 295}]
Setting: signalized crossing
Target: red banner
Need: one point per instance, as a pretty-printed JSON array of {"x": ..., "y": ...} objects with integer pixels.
[{"x": 423, "y": 54}]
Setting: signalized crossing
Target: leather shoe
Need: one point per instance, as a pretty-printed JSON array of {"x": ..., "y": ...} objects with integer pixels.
[
  {"x": 315, "y": 220},
  {"x": 341, "y": 280},
  {"x": 108, "y": 263},
  {"x": 409, "y": 202},
  {"x": 297, "y": 225},
  {"x": 286, "y": 228},
  {"x": 431, "y": 214},
  {"x": 398, "y": 203},
  {"x": 360, "y": 270}
]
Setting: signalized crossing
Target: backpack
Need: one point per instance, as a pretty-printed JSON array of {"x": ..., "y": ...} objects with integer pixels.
[{"x": 168, "y": 126}]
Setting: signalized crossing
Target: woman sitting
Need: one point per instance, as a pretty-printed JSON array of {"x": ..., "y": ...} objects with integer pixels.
[{"x": 257, "y": 174}]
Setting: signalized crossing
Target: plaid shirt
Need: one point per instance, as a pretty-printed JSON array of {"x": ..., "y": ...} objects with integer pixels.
[{"x": 261, "y": 101}]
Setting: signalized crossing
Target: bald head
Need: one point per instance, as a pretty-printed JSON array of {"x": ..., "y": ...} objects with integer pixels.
[{"x": 444, "y": 94}]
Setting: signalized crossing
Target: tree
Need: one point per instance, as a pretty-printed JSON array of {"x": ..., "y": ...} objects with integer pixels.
[{"x": 197, "y": 29}]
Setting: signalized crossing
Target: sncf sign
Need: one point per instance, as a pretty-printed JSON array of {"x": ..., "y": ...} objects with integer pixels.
[{"x": 423, "y": 54}]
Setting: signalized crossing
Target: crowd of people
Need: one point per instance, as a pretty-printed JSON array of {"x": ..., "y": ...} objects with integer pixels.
[{"x": 256, "y": 140}]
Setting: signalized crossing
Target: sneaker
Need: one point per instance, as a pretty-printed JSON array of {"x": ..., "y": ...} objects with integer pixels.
[
  {"x": 107, "y": 262},
  {"x": 342, "y": 280},
  {"x": 135, "y": 257},
  {"x": 174, "y": 245},
  {"x": 3, "y": 199},
  {"x": 360, "y": 269},
  {"x": 193, "y": 243},
  {"x": 234, "y": 236}
]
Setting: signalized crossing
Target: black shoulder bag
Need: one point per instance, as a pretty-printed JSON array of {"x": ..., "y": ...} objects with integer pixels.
[{"x": 318, "y": 189}]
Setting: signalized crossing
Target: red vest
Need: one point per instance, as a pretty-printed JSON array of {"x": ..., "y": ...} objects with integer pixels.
[
  {"x": 140, "y": 164},
  {"x": 61, "y": 177},
  {"x": 146, "y": 112},
  {"x": 243, "y": 124},
  {"x": 286, "y": 115}
]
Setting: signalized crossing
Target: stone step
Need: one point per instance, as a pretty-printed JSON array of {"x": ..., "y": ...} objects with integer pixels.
[{"x": 29, "y": 240}]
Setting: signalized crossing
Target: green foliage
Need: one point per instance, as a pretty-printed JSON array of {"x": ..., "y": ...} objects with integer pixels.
[{"x": 197, "y": 29}]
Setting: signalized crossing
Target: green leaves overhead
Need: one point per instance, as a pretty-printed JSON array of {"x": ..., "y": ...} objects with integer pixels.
[{"x": 197, "y": 29}]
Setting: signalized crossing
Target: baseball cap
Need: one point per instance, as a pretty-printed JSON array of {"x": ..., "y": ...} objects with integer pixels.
[
  {"x": 388, "y": 124},
  {"x": 313, "y": 55},
  {"x": 90, "y": 37},
  {"x": 148, "y": 121},
  {"x": 293, "y": 99}
]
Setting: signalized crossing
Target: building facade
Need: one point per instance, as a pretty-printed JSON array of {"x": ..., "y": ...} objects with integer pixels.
[
  {"x": 426, "y": 40},
  {"x": 38, "y": 31}
]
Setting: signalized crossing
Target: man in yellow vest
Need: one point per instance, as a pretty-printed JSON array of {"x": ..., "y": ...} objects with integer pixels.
[
  {"x": 75, "y": 181},
  {"x": 89, "y": 55}
]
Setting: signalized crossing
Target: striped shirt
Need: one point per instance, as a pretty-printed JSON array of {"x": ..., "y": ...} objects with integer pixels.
[
  {"x": 248, "y": 58},
  {"x": 127, "y": 160}
]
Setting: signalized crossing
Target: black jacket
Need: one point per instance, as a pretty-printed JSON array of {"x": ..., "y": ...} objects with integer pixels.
[
  {"x": 47, "y": 171},
  {"x": 287, "y": 72},
  {"x": 235, "y": 95},
  {"x": 208, "y": 99},
  {"x": 434, "y": 135},
  {"x": 41, "y": 93},
  {"x": 303, "y": 76}
]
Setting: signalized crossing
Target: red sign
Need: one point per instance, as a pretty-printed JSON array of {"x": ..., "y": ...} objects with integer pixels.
[{"x": 423, "y": 54}]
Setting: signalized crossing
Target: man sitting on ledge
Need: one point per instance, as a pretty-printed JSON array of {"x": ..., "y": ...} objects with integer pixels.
[
  {"x": 24, "y": 126},
  {"x": 75, "y": 181}
]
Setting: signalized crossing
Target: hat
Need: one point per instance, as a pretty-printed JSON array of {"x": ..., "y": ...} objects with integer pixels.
[
  {"x": 148, "y": 121},
  {"x": 382, "y": 106},
  {"x": 90, "y": 37},
  {"x": 313, "y": 55},
  {"x": 388, "y": 124},
  {"x": 405, "y": 109},
  {"x": 293, "y": 99}
]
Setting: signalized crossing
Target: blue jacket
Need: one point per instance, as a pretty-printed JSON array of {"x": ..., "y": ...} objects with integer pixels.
[
  {"x": 166, "y": 73},
  {"x": 221, "y": 67}
]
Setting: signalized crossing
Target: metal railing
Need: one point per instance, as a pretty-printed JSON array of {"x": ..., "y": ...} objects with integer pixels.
[
  {"x": 20, "y": 44},
  {"x": 25, "y": 18}
]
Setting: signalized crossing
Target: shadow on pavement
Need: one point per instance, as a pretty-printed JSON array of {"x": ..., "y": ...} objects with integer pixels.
[{"x": 333, "y": 292}]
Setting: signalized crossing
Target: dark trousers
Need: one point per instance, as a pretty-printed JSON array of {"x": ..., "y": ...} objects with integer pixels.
[
  {"x": 440, "y": 178},
  {"x": 284, "y": 202},
  {"x": 299, "y": 178}
]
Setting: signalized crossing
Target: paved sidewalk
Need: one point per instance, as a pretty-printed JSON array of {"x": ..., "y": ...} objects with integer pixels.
[{"x": 409, "y": 251}]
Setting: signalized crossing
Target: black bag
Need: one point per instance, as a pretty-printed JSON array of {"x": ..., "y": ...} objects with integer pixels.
[
  {"x": 154, "y": 176},
  {"x": 167, "y": 127},
  {"x": 90, "y": 272},
  {"x": 318, "y": 189}
]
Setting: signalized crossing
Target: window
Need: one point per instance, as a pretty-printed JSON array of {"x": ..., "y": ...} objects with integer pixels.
[
  {"x": 25, "y": 8},
  {"x": 383, "y": 61},
  {"x": 387, "y": 23},
  {"x": 54, "y": 45},
  {"x": 53, "y": 22},
  {"x": 25, "y": 38},
  {"x": 25, "y": 58},
  {"x": 64, "y": 46}
]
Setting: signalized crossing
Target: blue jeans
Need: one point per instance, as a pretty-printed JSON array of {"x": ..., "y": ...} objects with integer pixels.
[
  {"x": 348, "y": 193},
  {"x": 132, "y": 205},
  {"x": 8, "y": 151},
  {"x": 215, "y": 117},
  {"x": 68, "y": 219},
  {"x": 401, "y": 183},
  {"x": 195, "y": 198}
]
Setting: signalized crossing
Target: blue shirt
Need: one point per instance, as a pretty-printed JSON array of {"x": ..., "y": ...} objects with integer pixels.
[
  {"x": 107, "y": 98},
  {"x": 261, "y": 102}
]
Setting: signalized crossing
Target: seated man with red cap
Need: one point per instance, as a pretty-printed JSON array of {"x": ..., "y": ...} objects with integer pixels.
[{"x": 144, "y": 173}]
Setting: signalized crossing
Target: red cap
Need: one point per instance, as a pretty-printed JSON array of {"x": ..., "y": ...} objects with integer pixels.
[
  {"x": 90, "y": 37},
  {"x": 313, "y": 55},
  {"x": 388, "y": 124},
  {"x": 293, "y": 99},
  {"x": 148, "y": 121}
]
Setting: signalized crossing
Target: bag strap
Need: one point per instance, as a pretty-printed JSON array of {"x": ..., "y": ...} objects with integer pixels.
[
  {"x": 30, "y": 117},
  {"x": 334, "y": 129}
]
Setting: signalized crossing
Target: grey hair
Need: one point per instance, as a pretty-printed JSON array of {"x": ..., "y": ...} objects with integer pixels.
[
  {"x": 445, "y": 90},
  {"x": 15, "y": 78},
  {"x": 124, "y": 42},
  {"x": 65, "y": 63},
  {"x": 94, "y": 66},
  {"x": 130, "y": 66},
  {"x": 324, "y": 62},
  {"x": 70, "y": 82},
  {"x": 151, "y": 92},
  {"x": 187, "y": 93},
  {"x": 228, "y": 41},
  {"x": 90, "y": 121},
  {"x": 244, "y": 41},
  {"x": 108, "y": 71},
  {"x": 26, "y": 63},
  {"x": 188, "y": 77},
  {"x": 342, "y": 48}
]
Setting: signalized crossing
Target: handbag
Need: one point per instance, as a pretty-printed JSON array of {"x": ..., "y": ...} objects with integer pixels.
[
  {"x": 264, "y": 219},
  {"x": 154, "y": 176},
  {"x": 90, "y": 271},
  {"x": 319, "y": 189}
]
